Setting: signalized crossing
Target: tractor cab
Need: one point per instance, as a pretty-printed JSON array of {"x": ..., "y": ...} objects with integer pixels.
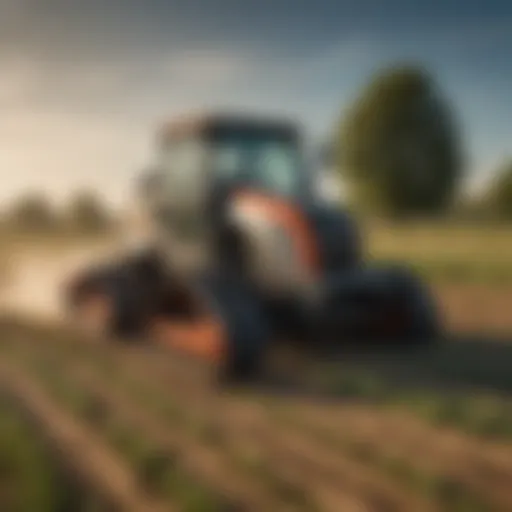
[
  {"x": 200, "y": 162},
  {"x": 197, "y": 156},
  {"x": 221, "y": 178}
]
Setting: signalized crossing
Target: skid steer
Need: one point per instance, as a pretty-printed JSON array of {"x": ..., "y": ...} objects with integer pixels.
[{"x": 241, "y": 253}]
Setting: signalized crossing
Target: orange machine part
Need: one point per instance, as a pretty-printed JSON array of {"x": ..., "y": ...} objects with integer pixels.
[
  {"x": 204, "y": 337},
  {"x": 292, "y": 219}
]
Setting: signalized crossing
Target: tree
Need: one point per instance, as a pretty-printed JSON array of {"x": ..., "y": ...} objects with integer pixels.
[
  {"x": 87, "y": 214},
  {"x": 497, "y": 199},
  {"x": 398, "y": 148},
  {"x": 32, "y": 212}
]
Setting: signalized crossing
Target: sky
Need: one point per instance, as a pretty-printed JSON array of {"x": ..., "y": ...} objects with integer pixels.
[{"x": 85, "y": 84}]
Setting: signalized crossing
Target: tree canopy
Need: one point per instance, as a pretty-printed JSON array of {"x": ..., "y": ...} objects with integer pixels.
[
  {"x": 86, "y": 213},
  {"x": 398, "y": 148},
  {"x": 497, "y": 199},
  {"x": 32, "y": 212}
]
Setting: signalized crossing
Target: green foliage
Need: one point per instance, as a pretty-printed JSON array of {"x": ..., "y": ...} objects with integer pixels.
[
  {"x": 28, "y": 481},
  {"x": 497, "y": 200},
  {"x": 399, "y": 150},
  {"x": 87, "y": 214},
  {"x": 32, "y": 212}
]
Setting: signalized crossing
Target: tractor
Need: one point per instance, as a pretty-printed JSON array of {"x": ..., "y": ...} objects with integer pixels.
[{"x": 242, "y": 253}]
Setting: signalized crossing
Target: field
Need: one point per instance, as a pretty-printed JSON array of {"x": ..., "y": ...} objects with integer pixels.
[
  {"x": 468, "y": 265},
  {"x": 130, "y": 427},
  {"x": 448, "y": 252},
  {"x": 442, "y": 251},
  {"x": 143, "y": 430}
]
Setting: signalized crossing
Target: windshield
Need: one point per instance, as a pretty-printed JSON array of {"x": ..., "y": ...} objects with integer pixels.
[{"x": 263, "y": 162}]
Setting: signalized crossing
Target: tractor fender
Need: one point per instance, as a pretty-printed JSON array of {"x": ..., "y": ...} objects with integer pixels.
[{"x": 425, "y": 318}]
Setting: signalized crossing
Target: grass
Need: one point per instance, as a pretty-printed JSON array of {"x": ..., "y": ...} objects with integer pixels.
[
  {"x": 155, "y": 469},
  {"x": 141, "y": 454},
  {"x": 438, "y": 389},
  {"x": 208, "y": 432},
  {"x": 288, "y": 492},
  {"x": 159, "y": 471},
  {"x": 441, "y": 251},
  {"x": 449, "y": 494},
  {"x": 30, "y": 477},
  {"x": 446, "y": 251},
  {"x": 446, "y": 493},
  {"x": 483, "y": 414}
]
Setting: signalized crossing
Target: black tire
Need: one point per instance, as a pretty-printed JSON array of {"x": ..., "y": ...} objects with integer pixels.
[
  {"x": 423, "y": 324},
  {"x": 247, "y": 329},
  {"x": 112, "y": 283}
]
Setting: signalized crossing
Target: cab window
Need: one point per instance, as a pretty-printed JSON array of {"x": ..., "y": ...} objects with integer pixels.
[
  {"x": 261, "y": 161},
  {"x": 183, "y": 168}
]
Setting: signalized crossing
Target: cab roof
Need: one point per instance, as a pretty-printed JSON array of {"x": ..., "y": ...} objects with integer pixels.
[{"x": 209, "y": 123}]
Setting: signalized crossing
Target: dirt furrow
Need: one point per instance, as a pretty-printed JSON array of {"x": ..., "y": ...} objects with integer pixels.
[
  {"x": 482, "y": 466},
  {"x": 248, "y": 424},
  {"x": 289, "y": 481},
  {"x": 300, "y": 463},
  {"x": 206, "y": 463},
  {"x": 84, "y": 454}
]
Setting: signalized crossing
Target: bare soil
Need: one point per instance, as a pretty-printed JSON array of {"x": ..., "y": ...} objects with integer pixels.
[
  {"x": 290, "y": 445},
  {"x": 477, "y": 308},
  {"x": 83, "y": 453}
]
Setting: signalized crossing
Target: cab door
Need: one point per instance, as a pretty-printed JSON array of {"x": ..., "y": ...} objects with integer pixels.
[{"x": 182, "y": 214}]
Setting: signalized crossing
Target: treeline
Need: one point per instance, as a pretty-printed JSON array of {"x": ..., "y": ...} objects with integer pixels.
[
  {"x": 399, "y": 151},
  {"x": 85, "y": 213},
  {"x": 495, "y": 201}
]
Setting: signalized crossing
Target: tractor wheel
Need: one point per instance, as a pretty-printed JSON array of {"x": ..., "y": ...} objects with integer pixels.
[
  {"x": 247, "y": 331},
  {"x": 416, "y": 308},
  {"x": 101, "y": 305}
]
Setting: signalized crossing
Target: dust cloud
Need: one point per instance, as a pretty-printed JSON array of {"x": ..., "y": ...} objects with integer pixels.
[{"x": 34, "y": 280}]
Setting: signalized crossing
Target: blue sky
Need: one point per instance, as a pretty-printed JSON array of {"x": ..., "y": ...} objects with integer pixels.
[{"x": 84, "y": 84}]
